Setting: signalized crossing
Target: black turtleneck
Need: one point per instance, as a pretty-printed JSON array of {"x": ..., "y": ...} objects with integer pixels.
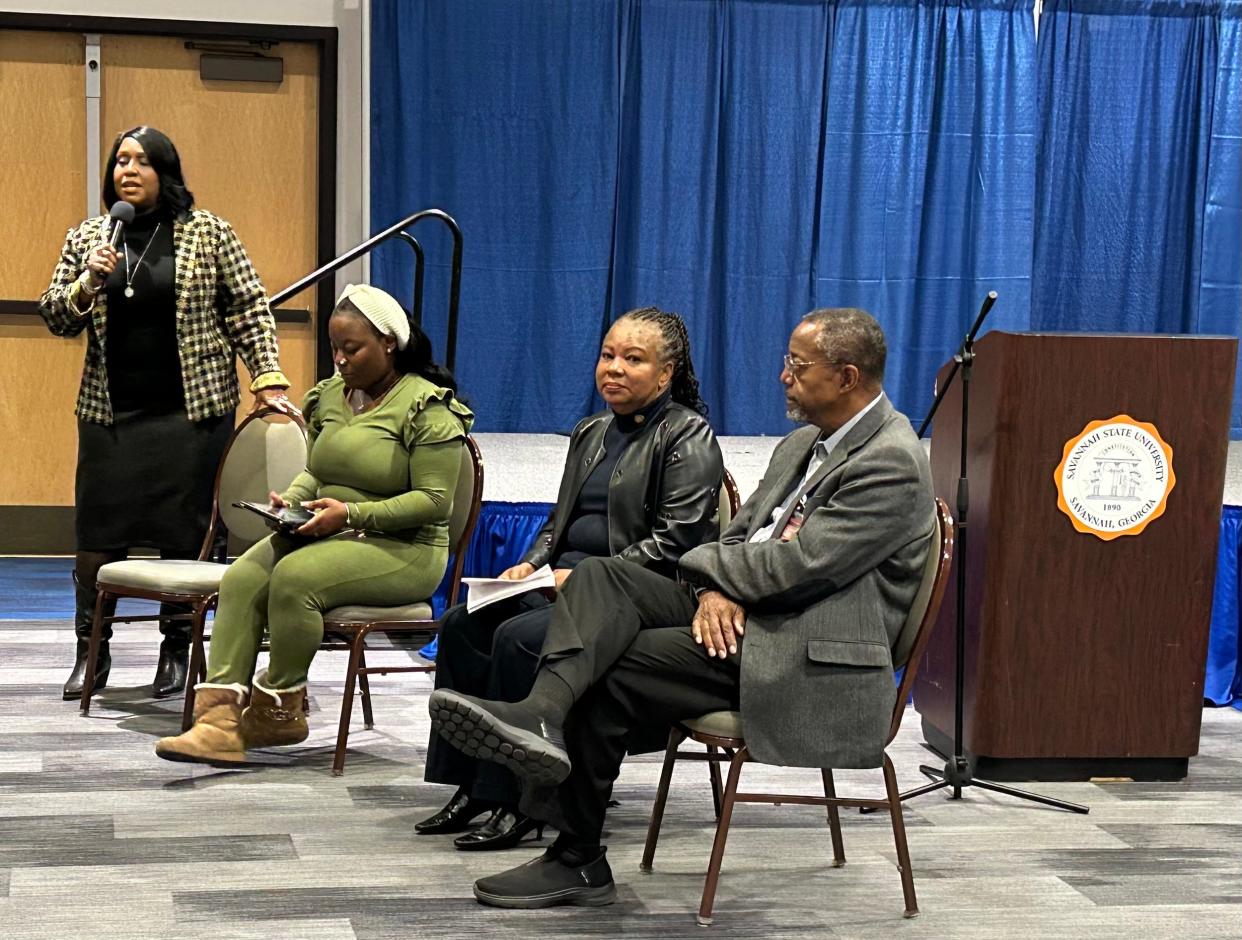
[
  {"x": 587, "y": 534},
  {"x": 144, "y": 367}
]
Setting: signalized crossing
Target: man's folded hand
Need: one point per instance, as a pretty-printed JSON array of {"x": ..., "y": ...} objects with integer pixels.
[{"x": 718, "y": 624}]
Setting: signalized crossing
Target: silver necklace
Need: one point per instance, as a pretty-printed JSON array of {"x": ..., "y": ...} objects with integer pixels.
[
  {"x": 359, "y": 401},
  {"x": 129, "y": 278}
]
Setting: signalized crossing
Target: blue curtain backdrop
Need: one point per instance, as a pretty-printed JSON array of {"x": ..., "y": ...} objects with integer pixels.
[
  {"x": 1223, "y": 681},
  {"x": 739, "y": 162},
  {"x": 928, "y": 189},
  {"x": 504, "y": 114},
  {"x": 1138, "y": 222}
]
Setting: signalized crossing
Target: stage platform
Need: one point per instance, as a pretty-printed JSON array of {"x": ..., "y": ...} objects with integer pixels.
[
  {"x": 527, "y": 467},
  {"x": 102, "y": 840}
]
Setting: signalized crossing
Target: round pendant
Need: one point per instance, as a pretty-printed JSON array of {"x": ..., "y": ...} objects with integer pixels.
[{"x": 129, "y": 292}]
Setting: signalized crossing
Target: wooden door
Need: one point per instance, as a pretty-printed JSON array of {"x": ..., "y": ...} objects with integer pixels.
[
  {"x": 248, "y": 153},
  {"x": 43, "y": 148}
]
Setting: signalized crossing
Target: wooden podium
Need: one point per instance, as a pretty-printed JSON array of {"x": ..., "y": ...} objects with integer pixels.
[{"x": 1085, "y": 656}]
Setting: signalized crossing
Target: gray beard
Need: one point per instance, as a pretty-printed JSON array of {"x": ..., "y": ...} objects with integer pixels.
[{"x": 795, "y": 413}]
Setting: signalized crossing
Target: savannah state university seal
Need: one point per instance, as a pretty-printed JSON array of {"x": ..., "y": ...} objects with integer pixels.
[{"x": 1114, "y": 477}]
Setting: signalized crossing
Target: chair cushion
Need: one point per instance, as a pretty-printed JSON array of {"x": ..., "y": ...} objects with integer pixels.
[
  {"x": 357, "y": 613},
  {"x": 172, "y": 576},
  {"x": 717, "y": 724}
]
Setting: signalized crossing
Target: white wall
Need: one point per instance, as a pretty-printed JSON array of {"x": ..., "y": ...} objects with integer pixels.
[{"x": 353, "y": 57}]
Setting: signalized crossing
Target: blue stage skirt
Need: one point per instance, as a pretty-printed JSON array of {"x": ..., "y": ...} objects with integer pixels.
[{"x": 506, "y": 530}]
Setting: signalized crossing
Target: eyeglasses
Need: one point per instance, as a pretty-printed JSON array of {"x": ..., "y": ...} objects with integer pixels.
[{"x": 797, "y": 365}]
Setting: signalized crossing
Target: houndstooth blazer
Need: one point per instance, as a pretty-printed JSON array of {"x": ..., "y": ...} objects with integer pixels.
[{"x": 222, "y": 311}]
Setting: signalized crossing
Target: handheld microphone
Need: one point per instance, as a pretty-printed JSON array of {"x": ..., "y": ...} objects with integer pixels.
[{"x": 122, "y": 214}]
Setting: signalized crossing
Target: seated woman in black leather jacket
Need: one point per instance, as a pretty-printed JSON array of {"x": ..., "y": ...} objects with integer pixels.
[{"x": 641, "y": 481}]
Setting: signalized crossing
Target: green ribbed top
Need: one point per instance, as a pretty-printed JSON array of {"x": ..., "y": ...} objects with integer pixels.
[{"x": 396, "y": 466}]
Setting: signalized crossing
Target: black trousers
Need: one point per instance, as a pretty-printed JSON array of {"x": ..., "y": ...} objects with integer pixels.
[
  {"x": 494, "y": 654},
  {"x": 620, "y": 636}
]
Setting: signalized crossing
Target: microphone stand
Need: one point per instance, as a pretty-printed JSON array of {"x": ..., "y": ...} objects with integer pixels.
[{"x": 957, "y": 772}]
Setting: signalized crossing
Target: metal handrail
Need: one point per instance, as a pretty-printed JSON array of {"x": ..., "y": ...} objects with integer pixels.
[
  {"x": 419, "y": 261},
  {"x": 397, "y": 230}
]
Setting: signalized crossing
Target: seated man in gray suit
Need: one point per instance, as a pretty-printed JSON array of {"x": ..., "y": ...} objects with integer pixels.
[{"x": 817, "y": 570}]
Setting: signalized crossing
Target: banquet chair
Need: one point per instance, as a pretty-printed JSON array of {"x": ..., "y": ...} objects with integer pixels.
[
  {"x": 264, "y": 453},
  {"x": 730, "y": 503},
  {"x": 347, "y": 628},
  {"x": 726, "y": 730}
]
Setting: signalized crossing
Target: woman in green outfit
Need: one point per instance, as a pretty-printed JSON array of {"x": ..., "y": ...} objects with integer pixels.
[{"x": 385, "y": 437}]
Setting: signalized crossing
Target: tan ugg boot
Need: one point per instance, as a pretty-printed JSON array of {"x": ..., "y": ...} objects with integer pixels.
[
  {"x": 216, "y": 736},
  {"x": 275, "y": 717}
]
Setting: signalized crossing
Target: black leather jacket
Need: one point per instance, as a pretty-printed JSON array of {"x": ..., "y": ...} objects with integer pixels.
[{"x": 663, "y": 497}]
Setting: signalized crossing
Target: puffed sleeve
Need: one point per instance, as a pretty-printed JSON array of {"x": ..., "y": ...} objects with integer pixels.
[{"x": 436, "y": 418}]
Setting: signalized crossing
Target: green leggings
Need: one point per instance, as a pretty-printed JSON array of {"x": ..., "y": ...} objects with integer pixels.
[{"x": 286, "y": 587}]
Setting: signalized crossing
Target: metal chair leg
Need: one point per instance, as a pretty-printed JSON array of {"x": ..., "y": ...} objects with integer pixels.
[
  {"x": 347, "y": 707},
  {"x": 713, "y": 774},
  {"x": 195, "y": 668},
  {"x": 675, "y": 738},
  {"x": 899, "y": 837},
  {"x": 364, "y": 683},
  {"x": 718, "y": 845},
  {"x": 92, "y": 653},
  {"x": 834, "y": 819},
  {"x": 191, "y": 669}
]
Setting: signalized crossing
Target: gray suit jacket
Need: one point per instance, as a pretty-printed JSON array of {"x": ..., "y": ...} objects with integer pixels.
[{"x": 824, "y": 608}]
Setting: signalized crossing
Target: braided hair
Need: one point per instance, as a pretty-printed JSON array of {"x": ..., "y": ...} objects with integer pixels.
[{"x": 674, "y": 348}]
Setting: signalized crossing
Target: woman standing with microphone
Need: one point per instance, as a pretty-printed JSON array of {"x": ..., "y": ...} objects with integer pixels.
[{"x": 166, "y": 306}]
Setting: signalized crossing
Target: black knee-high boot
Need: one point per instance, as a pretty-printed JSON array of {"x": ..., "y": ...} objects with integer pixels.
[
  {"x": 83, "y": 619},
  {"x": 170, "y": 672}
]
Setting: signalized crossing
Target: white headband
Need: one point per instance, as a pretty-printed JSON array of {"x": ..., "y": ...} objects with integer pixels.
[{"x": 381, "y": 308}]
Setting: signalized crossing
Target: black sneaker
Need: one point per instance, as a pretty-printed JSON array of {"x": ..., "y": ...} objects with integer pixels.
[
  {"x": 502, "y": 733},
  {"x": 547, "y": 881}
]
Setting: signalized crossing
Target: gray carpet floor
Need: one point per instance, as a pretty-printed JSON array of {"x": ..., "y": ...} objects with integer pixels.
[{"x": 100, "y": 839}]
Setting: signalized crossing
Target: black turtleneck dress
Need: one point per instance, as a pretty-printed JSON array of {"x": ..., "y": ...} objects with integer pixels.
[{"x": 147, "y": 479}]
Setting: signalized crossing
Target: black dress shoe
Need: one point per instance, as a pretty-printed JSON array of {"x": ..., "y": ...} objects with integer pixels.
[
  {"x": 170, "y": 671},
  {"x": 103, "y": 666},
  {"x": 503, "y": 830},
  {"x": 456, "y": 815},
  {"x": 505, "y": 734},
  {"x": 547, "y": 881}
]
